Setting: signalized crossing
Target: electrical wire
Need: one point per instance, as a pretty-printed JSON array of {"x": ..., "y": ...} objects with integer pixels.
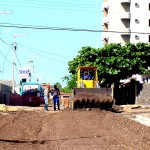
[
  {"x": 43, "y": 51},
  {"x": 45, "y": 56},
  {"x": 33, "y": 50},
  {"x": 5, "y": 58},
  {"x": 62, "y": 29},
  {"x": 52, "y": 3},
  {"x": 18, "y": 59},
  {"x": 67, "y": 3},
  {"x": 16, "y": 68},
  {"x": 52, "y": 7},
  {"x": 45, "y": 27},
  {"x": 4, "y": 41}
]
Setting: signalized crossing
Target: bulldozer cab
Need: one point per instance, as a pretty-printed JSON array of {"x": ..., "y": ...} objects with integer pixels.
[{"x": 87, "y": 77}]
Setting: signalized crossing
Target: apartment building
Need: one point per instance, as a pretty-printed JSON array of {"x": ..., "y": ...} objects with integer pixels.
[{"x": 126, "y": 21}]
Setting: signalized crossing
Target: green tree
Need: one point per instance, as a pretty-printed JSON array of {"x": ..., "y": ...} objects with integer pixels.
[
  {"x": 71, "y": 82},
  {"x": 114, "y": 61},
  {"x": 58, "y": 85},
  {"x": 86, "y": 57}
]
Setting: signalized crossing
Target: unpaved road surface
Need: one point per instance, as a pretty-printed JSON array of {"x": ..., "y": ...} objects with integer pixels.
[{"x": 71, "y": 130}]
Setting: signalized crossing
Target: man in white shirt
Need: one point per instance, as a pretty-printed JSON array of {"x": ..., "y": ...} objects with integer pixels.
[{"x": 46, "y": 97}]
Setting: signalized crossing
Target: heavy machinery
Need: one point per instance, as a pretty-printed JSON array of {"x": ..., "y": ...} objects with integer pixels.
[{"x": 88, "y": 93}]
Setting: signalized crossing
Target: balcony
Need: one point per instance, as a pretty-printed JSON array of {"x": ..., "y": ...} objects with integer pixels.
[
  {"x": 125, "y": 15},
  {"x": 125, "y": 31},
  {"x": 125, "y": 1},
  {"x": 105, "y": 20},
  {"x": 105, "y": 35}
]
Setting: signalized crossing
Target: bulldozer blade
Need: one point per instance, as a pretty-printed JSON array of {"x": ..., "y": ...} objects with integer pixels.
[{"x": 92, "y": 98}]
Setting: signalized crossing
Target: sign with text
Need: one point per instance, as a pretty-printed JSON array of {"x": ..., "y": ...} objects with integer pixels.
[{"x": 24, "y": 72}]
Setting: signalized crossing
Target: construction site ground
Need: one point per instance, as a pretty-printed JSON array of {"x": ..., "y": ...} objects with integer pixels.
[{"x": 31, "y": 128}]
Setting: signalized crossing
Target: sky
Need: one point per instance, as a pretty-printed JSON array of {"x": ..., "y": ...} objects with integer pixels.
[{"x": 49, "y": 50}]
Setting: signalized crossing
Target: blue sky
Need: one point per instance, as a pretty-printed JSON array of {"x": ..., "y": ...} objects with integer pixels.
[{"x": 50, "y": 50}]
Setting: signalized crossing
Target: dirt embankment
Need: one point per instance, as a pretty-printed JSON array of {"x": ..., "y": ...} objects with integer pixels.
[
  {"x": 67, "y": 129},
  {"x": 93, "y": 100}
]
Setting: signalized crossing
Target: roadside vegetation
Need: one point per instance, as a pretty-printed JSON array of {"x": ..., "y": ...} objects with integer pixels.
[{"x": 114, "y": 62}]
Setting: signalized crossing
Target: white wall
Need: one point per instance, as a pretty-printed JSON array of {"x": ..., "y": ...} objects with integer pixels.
[{"x": 141, "y": 13}]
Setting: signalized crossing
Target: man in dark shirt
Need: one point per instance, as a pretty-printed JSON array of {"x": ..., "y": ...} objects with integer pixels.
[
  {"x": 56, "y": 94},
  {"x": 86, "y": 76}
]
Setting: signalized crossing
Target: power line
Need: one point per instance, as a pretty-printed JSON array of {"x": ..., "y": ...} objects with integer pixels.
[
  {"x": 67, "y": 3},
  {"x": 5, "y": 58},
  {"x": 43, "y": 51},
  {"x": 37, "y": 2},
  {"x": 53, "y": 7},
  {"x": 34, "y": 51},
  {"x": 62, "y": 29},
  {"x": 18, "y": 60},
  {"x": 5, "y": 42},
  {"x": 16, "y": 68},
  {"x": 45, "y": 56}
]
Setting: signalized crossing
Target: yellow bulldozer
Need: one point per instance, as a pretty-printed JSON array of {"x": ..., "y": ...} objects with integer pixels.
[{"x": 88, "y": 93}]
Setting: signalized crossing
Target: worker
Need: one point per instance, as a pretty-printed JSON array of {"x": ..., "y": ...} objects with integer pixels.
[
  {"x": 46, "y": 97},
  {"x": 86, "y": 76},
  {"x": 56, "y": 94}
]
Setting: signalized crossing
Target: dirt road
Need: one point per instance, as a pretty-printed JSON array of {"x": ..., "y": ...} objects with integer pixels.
[{"x": 71, "y": 130}]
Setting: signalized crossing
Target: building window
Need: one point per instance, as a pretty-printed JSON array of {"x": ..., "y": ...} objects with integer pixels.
[
  {"x": 137, "y": 21},
  {"x": 105, "y": 41},
  {"x": 149, "y": 6},
  {"x": 137, "y": 5},
  {"x": 105, "y": 12},
  {"x": 149, "y": 39},
  {"x": 149, "y": 22},
  {"x": 105, "y": 26},
  {"x": 137, "y": 37}
]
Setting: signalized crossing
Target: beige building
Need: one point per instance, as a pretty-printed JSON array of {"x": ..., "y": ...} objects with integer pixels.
[{"x": 126, "y": 21}]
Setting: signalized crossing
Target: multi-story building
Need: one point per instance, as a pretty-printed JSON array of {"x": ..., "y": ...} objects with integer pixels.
[
  {"x": 126, "y": 21},
  {"x": 129, "y": 21}
]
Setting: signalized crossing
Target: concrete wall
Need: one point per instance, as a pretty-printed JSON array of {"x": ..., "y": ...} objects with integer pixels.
[
  {"x": 5, "y": 98},
  {"x": 5, "y": 85},
  {"x": 5, "y": 91},
  {"x": 143, "y": 97}
]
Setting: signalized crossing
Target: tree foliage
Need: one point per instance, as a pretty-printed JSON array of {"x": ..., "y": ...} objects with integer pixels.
[
  {"x": 58, "y": 85},
  {"x": 114, "y": 61},
  {"x": 71, "y": 82}
]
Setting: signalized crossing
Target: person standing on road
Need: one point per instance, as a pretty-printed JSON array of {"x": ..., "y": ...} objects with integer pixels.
[
  {"x": 56, "y": 94},
  {"x": 46, "y": 97}
]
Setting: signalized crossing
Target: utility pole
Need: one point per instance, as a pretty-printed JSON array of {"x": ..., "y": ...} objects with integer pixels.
[
  {"x": 30, "y": 68},
  {"x": 13, "y": 67},
  {"x": 13, "y": 63}
]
